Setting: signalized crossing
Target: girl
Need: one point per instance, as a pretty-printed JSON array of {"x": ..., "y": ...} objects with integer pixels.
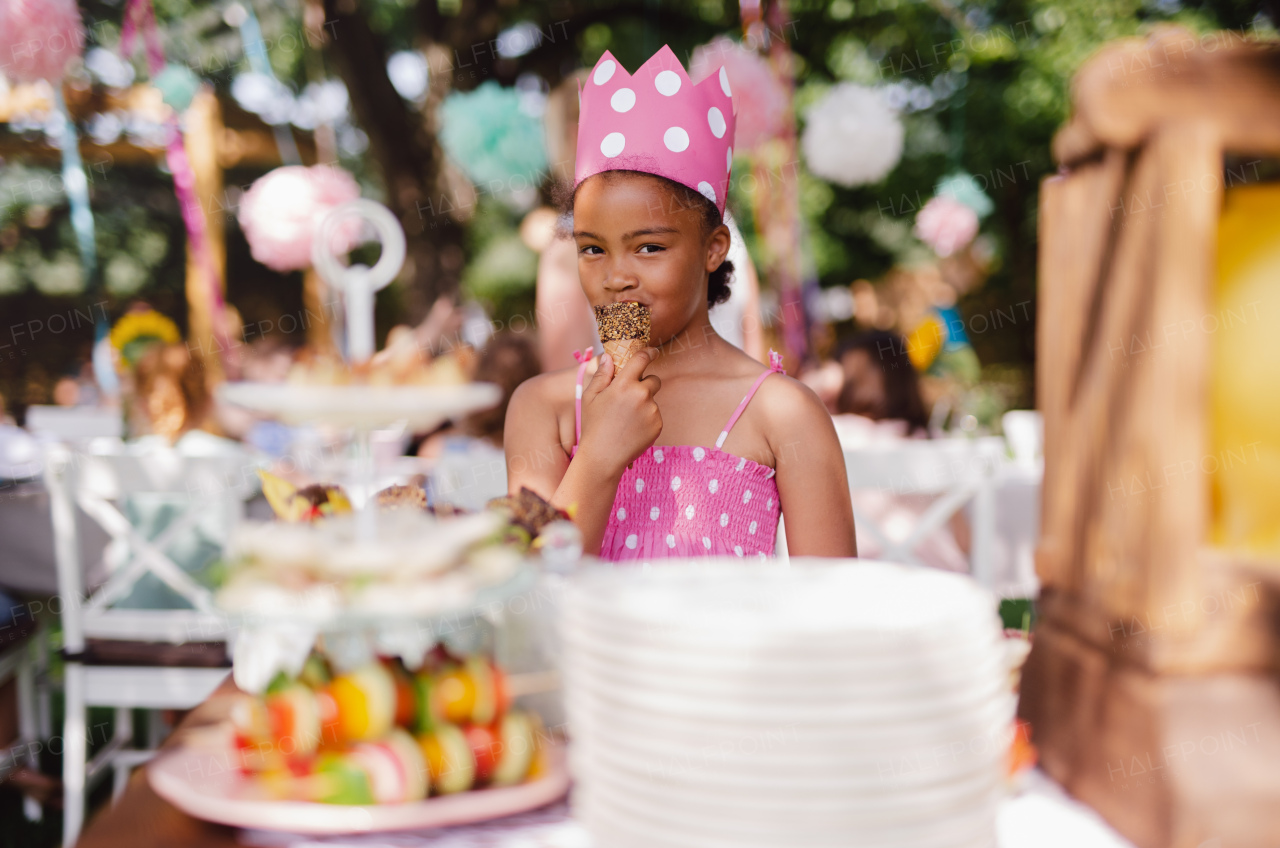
[{"x": 693, "y": 448}]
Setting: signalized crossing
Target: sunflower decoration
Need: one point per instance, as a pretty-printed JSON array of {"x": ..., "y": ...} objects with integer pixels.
[{"x": 138, "y": 330}]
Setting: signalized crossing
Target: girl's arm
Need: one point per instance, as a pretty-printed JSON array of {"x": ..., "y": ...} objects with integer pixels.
[
  {"x": 619, "y": 420},
  {"x": 812, "y": 485}
]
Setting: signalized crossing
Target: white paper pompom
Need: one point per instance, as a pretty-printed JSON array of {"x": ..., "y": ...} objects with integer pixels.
[{"x": 851, "y": 136}]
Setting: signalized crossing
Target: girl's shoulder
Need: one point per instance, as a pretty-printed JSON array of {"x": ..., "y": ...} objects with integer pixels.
[
  {"x": 785, "y": 403},
  {"x": 552, "y": 389}
]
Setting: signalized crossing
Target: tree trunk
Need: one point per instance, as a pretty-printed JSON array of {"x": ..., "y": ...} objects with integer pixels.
[{"x": 408, "y": 154}]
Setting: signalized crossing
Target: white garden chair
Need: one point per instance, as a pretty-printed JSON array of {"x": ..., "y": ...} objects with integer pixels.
[
  {"x": 959, "y": 472},
  {"x": 99, "y": 483}
]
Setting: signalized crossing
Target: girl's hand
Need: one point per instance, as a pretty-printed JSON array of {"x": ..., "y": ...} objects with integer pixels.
[{"x": 620, "y": 417}]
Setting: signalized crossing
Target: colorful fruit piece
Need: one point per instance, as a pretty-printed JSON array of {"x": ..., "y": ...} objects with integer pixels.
[
  {"x": 406, "y": 695},
  {"x": 449, "y": 759},
  {"x": 395, "y": 767},
  {"x": 315, "y": 672},
  {"x": 454, "y": 695},
  {"x": 517, "y": 748},
  {"x": 484, "y": 749},
  {"x": 295, "y": 720},
  {"x": 426, "y": 713},
  {"x": 338, "y": 780},
  {"x": 484, "y": 706},
  {"x": 366, "y": 702}
]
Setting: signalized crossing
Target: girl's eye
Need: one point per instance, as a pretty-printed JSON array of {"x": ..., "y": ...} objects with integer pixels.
[
  {"x": 651, "y": 248},
  {"x": 591, "y": 250}
]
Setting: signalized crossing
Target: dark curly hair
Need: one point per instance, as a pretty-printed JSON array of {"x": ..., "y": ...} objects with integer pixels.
[{"x": 682, "y": 197}]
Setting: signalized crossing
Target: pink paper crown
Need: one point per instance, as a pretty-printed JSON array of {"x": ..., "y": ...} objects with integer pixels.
[{"x": 657, "y": 121}]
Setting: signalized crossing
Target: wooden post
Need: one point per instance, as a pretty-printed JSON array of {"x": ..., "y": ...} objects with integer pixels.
[{"x": 203, "y": 121}]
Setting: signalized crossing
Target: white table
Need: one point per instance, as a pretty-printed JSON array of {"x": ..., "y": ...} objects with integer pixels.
[{"x": 1042, "y": 815}]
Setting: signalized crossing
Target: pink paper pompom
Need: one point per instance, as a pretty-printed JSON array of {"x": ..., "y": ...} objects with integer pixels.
[
  {"x": 38, "y": 38},
  {"x": 946, "y": 225},
  {"x": 281, "y": 210},
  {"x": 760, "y": 100}
]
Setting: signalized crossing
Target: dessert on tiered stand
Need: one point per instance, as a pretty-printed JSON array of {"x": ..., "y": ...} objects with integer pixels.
[
  {"x": 727, "y": 705},
  {"x": 369, "y": 700}
]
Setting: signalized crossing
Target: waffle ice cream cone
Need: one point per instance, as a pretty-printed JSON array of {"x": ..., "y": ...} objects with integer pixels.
[{"x": 624, "y": 331}]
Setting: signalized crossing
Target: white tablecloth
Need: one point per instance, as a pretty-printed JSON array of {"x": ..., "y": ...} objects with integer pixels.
[{"x": 1040, "y": 816}]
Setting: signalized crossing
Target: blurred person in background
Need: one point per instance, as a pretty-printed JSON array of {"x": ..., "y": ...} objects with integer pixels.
[
  {"x": 879, "y": 403},
  {"x": 470, "y": 466},
  {"x": 879, "y": 387}
]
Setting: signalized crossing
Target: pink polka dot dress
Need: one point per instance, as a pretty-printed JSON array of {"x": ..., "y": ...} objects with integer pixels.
[{"x": 688, "y": 501}]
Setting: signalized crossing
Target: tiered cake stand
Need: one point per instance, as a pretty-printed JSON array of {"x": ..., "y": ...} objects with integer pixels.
[{"x": 202, "y": 778}]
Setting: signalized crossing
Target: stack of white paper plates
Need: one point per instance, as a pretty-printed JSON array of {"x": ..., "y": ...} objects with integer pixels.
[{"x": 830, "y": 703}]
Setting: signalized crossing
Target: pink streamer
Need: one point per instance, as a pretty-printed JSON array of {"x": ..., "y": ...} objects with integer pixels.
[{"x": 139, "y": 14}]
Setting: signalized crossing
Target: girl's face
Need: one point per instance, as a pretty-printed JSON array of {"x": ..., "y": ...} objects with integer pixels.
[{"x": 638, "y": 241}]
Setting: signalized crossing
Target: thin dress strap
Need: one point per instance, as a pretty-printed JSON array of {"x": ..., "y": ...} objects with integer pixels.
[
  {"x": 775, "y": 366},
  {"x": 584, "y": 358}
]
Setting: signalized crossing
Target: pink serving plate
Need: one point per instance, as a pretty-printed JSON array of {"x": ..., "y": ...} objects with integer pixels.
[{"x": 202, "y": 781}]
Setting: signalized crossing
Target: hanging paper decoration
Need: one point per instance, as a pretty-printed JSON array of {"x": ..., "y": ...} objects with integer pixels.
[
  {"x": 178, "y": 86},
  {"x": 280, "y": 211},
  {"x": 760, "y": 100},
  {"x": 851, "y": 137},
  {"x": 946, "y": 225},
  {"x": 963, "y": 187},
  {"x": 491, "y": 134},
  {"x": 38, "y": 38}
]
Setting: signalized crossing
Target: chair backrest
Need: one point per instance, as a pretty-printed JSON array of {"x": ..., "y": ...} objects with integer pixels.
[
  {"x": 100, "y": 483},
  {"x": 922, "y": 466},
  {"x": 957, "y": 471},
  {"x": 74, "y": 423}
]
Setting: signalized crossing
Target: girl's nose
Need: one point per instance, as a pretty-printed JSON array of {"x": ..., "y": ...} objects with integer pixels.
[{"x": 618, "y": 280}]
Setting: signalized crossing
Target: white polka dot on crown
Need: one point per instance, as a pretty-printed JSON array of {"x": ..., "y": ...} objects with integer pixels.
[
  {"x": 707, "y": 191},
  {"x": 622, "y": 514},
  {"x": 675, "y": 484},
  {"x": 622, "y": 100},
  {"x": 688, "y": 512},
  {"x": 698, "y": 454},
  {"x": 671, "y": 540},
  {"x": 654, "y": 513},
  {"x": 715, "y": 120},
  {"x": 667, "y": 82},
  {"x": 713, "y": 486},
  {"x": 639, "y": 484},
  {"x": 752, "y": 528},
  {"x": 676, "y": 139},
  {"x": 632, "y": 540},
  {"x": 724, "y": 519},
  {"x": 706, "y": 542},
  {"x": 724, "y": 83},
  {"x": 658, "y": 455},
  {"x": 604, "y": 72},
  {"x": 612, "y": 144}
]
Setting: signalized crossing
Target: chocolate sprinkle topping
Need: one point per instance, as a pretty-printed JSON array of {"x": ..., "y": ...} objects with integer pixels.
[{"x": 623, "y": 321}]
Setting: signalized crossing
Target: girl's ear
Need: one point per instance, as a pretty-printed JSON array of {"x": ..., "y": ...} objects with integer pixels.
[{"x": 717, "y": 247}]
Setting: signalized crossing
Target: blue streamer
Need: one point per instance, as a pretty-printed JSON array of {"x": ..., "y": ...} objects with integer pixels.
[
  {"x": 76, "y": 185},
  {"x": 255, "y": 50}
]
